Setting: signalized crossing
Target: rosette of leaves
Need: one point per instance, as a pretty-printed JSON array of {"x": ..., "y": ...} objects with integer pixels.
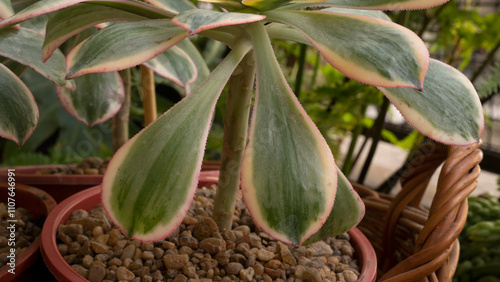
[{"x": 288, "y": 176}]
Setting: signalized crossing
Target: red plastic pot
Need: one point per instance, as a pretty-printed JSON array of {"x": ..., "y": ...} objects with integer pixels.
[
  {"x": 61, "y": 187},
  {"x": 58, "y": 186},
  {"x": 90, "y": 198},
  {"x": 40, "y": 204}
]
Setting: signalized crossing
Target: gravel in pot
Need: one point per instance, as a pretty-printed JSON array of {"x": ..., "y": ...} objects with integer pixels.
[{"x": 198, "y": 251}]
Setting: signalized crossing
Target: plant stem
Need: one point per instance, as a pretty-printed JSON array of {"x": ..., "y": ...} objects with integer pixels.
[
  {"x": 121, "y": 119},
  {"x": 148, "y": 94},
  {"x": 378, "y": 126},
  {"x": 348, "y": 160},
  {"x": 235, "y": 137},
  {"x": 300, "y": 72}
]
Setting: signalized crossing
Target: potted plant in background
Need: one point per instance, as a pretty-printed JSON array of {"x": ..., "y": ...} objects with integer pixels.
[
  {"x": 289, "y": 179},
  {"x": 91, "y": 99}
]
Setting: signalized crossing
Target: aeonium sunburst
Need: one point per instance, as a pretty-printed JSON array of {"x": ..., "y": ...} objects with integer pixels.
[{"x": 287, "y": 173}]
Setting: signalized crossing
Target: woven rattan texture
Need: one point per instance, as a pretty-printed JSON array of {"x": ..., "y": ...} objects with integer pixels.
[{"x": 414, "y": 243}]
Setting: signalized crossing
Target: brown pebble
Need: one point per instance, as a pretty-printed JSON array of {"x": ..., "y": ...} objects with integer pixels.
[
  {"x": 128, "y": 252},
  {"x": 96, "y": 273},
  {"x": 123, "y": 273},
  {"x": 175, "y": 261},
  {"x": 247, "y": 274},
  {"x": 213, "y": 245},
  {"x": 265, "y": 255},
  {"x": 204, "y": 229},
  {"x": 233, "y": 268},
  {"x": 99, "y": 247}
]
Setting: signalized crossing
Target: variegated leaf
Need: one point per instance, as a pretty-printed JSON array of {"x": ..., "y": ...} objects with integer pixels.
[
  {"x": 46, "y": 6},
  {"x": 367, "y": 13},
  {"x": 378, "y": 4},
  {"x": 174, "y": 64},
  {"x": 6, "y": 9},
  {"x": 369, "y": 50},
  {"x": 229, "y": 5},
  {"x": 202, "y": 69},
  {"x": 98, "y": 96},
  {"x": 18, "y": 109},
  {"x": 67, "y": 22},
  {"x": 123, "y": 45},
  {"x": 448, "y": 109},
  {"x": 288, "y": 177},
  {"x": 175, "y": 7},
  {"x": 150, "y": 182},
  {"x": 346, "y": 213},
  {"x": 199, "y": 20},
  {"x": 24, "y": 46}
]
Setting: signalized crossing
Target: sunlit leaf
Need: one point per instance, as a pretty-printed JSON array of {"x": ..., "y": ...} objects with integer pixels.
[
  {"x": 369, "y": 50},
  {"x": 160, "y": 165},
  {"x": 6, "y": 9},
  {"x": 98, "y": 96},
  {"x": 198, "y": 20},
  {"x": 448, "y": 110},
  {"x": 123, "y": 45},
  {"x": 24, "y": 46},
  {"x": 18, "y": 109},
  {"x": 294, "y": 205}
]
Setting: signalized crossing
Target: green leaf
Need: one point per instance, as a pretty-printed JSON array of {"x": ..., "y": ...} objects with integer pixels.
[
  {"x": 123, "y": 45},
  {"x": 65, "y": 23},
  {"x": 175, "y": 7},
  {"x": 199, "y": 20},
  {"x": 6, "y": 9},
  {"x": 346, "y": 213},
  {"x": 174, "y": 64},
  {"x": 151, "y": 180},
  {"x": 18, "y": 110},
  {"x": 98, "y": 96},
  {"x": 46, "y": 6},
  {"x": 448, "y": 109},
  {"x": 24, "y": 45},
  {"x": 378, "y": 4},
  {"x": 373, "y": 51},
  {"x": 286, "y": 179}
]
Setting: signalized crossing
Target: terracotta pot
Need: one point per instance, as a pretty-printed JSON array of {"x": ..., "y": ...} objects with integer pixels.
[
  {"x": 61, "y": 187},
  {"x": 40, "y": 204},
  {"x": 58, "y": 186},
  {"x": 90, "y": 198}
]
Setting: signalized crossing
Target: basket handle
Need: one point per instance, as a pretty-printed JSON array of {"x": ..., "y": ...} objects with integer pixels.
[{"x": 447, "y": 215}]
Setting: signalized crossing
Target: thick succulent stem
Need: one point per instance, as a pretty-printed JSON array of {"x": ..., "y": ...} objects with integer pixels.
[
  {"x": 235, "y": 137},
  {"x": 148, "y": 95},
  {"x": 121, "y": 119}
]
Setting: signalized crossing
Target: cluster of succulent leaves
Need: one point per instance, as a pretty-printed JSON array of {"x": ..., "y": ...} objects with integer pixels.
[
  {"x": 289, "y": 179},
  {"x": 479, "y": 248}
]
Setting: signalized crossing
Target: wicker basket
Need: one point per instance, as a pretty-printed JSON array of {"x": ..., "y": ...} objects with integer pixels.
[{"x": 414, "y": 243}]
